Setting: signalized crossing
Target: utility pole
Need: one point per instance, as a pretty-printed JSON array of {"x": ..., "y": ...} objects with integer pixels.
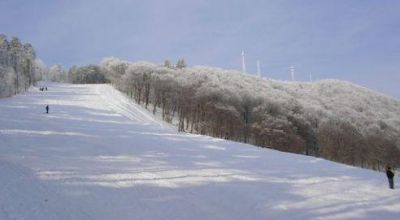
[
  {"x": 292, "y": 72},
  {"x": 243, "y": 63}
]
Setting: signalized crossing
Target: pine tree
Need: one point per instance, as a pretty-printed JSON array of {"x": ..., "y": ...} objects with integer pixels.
[
  {"x": 167, "y": 64},
  {"x": 180, "y": 64}
]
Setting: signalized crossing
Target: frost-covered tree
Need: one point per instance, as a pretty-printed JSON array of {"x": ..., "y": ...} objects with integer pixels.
[
  {"x": 20, "y": 57},
  {"x": 327, "y": 118},
  {"x": 114, "y": 70},
  {"x": 16, "y": 60},
  {"x": 72, "y": 74},
  {"x": 340, "y": 141},
  {"x": 180, "y": 64},
  {"x": 28, "y": 63},
  {"x": 4, "y": 50},
  {"x": 167, "y": 64},
  {"x": 41, "y": 70},
  {"x": 7, "y": 78},
  {"x": 57, "y": 74},
  {"x": 86, "y": 74}
]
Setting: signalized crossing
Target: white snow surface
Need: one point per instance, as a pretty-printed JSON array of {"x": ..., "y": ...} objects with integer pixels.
[{"x": 97, "y": 155}]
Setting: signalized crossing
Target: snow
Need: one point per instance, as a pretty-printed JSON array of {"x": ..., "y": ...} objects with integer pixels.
[{"x": 97, "y": 155}]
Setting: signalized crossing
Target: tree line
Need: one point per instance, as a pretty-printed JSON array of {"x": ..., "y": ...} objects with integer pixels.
[
  {"x": 18, "y": 69},
  {"x": 234, "y": 106}
]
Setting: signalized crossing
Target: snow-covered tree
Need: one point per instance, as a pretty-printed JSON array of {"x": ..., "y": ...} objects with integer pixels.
[
  {"x": 57, "y": 74},
  {"x": 167, "y": 64},
  {"x": 325, "y": 118},
  {"x": 86, "y": 74},
  {"x": 41, "y": 70},
  {"x": 180, "y": 64},
  {"x": 20, "y": 57},
  {"x": 7, "y": 78}
]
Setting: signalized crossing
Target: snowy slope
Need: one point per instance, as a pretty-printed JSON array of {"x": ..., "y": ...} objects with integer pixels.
[{"x": 99, "y": 156}]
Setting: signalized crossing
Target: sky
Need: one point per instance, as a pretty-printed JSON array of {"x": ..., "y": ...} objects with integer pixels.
[{"x": 353, "y": 40}]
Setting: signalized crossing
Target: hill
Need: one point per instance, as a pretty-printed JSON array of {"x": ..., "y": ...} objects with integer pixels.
[
  {"x": 97, "y": 155},
  {"x": 333, "y": 119}
]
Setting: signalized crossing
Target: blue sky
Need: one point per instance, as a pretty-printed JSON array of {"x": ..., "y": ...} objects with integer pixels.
[{"x": 355, "y": 40}]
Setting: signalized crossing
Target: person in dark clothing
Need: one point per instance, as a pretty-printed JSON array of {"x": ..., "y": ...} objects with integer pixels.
[
  {"x": 390, "y": 175},
  {"x": 47, "y": 109}
]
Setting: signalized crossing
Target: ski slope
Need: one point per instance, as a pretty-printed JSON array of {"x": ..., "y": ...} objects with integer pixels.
[{"x": 99, "y": 156}]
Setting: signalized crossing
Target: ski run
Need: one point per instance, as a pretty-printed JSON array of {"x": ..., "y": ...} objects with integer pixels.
[{"x": 97, "y": 155}]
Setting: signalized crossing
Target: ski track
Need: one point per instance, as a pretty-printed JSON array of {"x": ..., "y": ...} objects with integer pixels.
[
  {"x": 98, "y": 155},
  {"x": 120, "y": 103}
]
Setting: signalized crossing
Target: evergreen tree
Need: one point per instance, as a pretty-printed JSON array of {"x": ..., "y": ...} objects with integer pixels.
[
  {"x": 180, "y": 64},
  {"x": 167, "y": 64}
]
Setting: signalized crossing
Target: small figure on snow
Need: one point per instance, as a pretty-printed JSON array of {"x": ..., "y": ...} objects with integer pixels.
[
  {"x": 46, "y": 88},
  {"x": 47, "y": 109},
  {"x": 390, "y": 175}
]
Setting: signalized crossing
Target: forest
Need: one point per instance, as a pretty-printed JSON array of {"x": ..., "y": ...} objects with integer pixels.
[
  {"x": 331, "y": 119},
  {"x": 19, "y": 68}
]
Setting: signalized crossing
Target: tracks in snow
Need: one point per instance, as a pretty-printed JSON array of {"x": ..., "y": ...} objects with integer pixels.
[{"x": 119, "y": 103}]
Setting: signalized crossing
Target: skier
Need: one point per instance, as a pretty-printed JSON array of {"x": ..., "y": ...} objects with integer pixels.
[
  {"x": 390, "y": 175},
  {"x": 47, "y": 109}
]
